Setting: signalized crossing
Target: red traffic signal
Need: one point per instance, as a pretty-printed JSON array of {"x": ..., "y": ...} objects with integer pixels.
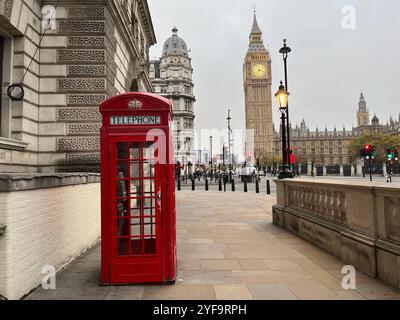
[{"x": 367, "y": 147}]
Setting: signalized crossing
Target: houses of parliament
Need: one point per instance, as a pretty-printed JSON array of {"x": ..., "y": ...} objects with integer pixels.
[
  {"x": 332, "y": 147},
  {"x": 328, "y": 148}
]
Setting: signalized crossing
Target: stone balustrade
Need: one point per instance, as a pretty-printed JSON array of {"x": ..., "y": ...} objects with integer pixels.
[
  {"x": 323, "y": 202},
  {"x": 357, "y": 222}
]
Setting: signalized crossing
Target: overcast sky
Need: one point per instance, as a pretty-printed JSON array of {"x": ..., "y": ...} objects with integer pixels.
[{"x": 328, "y": 67}]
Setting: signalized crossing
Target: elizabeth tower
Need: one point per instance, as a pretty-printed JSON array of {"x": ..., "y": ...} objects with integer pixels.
[{"x": 258, "y": 96}]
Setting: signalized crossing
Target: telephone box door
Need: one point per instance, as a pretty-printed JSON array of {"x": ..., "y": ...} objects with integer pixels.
[{"x": 135, "y": 210}]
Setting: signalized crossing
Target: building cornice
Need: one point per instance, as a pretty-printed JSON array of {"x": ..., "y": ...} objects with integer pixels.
[{"x": 145, "y": 10}]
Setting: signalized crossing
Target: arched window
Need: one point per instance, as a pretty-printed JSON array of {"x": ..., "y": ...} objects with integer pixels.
[{"x": 134, "y": 86}]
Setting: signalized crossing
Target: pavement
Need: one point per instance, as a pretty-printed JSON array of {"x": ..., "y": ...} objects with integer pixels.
[{"x": 228, "y": 249}]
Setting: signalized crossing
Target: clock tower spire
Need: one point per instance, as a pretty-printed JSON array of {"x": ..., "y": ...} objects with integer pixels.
[{"x": 257, "y": 81}]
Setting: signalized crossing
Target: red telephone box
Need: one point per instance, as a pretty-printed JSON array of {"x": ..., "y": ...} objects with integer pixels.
[{"x": 137, "y": 190}]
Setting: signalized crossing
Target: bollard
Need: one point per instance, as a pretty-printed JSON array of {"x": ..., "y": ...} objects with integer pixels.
[
  {"x": 268, "y": 187},
  {"x": 193, "y": 185},
  {"x": 179, "y": 184},
  {"x": 224, "y": 186},
  {"x": 257, "y": 186},
  {"x": 220, "y": 185},
  {"x": 245, "y": 186},
  {"x": 206, "y": 184},
  {"x": 233, "y": 185}
]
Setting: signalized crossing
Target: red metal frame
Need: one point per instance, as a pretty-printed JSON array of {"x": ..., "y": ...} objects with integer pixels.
[{"x": 137, "y": 193}]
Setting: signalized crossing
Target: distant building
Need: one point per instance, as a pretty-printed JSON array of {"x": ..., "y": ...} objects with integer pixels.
[
  {"x": 364, "y": 125},
  {"x": 331, "y": 148},
  {"x": 362, "y": 113},
  {"x": 91, "y": 50},
  {"x": 172, "y": 77}
]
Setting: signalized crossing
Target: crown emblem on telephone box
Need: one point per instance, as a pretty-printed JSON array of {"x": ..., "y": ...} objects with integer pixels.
[{"x": 135, "y": 104}]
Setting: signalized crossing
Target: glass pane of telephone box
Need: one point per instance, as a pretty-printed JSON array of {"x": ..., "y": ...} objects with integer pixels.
[
  {"x": 149, "y": 203},
  {"x": 137, "y": 236},
  {"x": 148, "y": 169},
  {"x": 149, "y": 188},
  {"x": 123, "y": 247},
  {"x": 136, "y": 188},
  {"x": 122, "y": 188},
  {"x": 149, "y": 235},
  {"x": 136, "y": 227},
  {"x": 148, "y": 152},
  {"x": 136, "y": 170},
  {"x": 123, "y": 227},
  {"x": 135, "y": 151},
  {"x": 122, "y": 208},
  {"x": 122, "y": 170},
  {"x": 135, "y": 212},
  {"x": 136, "y": 203},
  {"x": 122, "y": 151},
  {"x": 136, "y": 246}
]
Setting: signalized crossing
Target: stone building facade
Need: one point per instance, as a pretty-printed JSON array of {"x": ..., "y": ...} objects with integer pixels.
[
  {"x": 364, "y": 125},
  {"x": 172, "y": 77},
  {"x": 82, "y": 52},
  {"x": 330, "y": 150},
  {"x": 257, "y": 78}
]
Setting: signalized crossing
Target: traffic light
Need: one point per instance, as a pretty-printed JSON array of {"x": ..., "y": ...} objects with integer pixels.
[
  {"x": 368, "y": 152},
  {"x": 392, "y": 154},
  {"x": 373, "y": 152},
  {"x": 389, "y": 154}
]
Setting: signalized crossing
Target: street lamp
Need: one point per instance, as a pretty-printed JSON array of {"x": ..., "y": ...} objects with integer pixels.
[
  {"x": 285, "y": 50},
  {"x": 229, "y": 137},
  {"x": 177, "y": 144},
  {"x": 282, "y": 97},
  {"x": 211, "y": 150}
]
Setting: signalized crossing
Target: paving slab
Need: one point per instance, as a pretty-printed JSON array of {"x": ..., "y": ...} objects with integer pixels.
[
  {"x": 271, "y": 292},
  {"x": 232, "y": 292}
]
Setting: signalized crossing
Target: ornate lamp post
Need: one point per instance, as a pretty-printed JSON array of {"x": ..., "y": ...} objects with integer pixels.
[
  {"x": 211, "y": 150},
  {"x": 178, "y": 147},
  {"x": 285, "y": 50},
  {"x": 230, "y": 157},
  {"x": 282, "y": 96}
]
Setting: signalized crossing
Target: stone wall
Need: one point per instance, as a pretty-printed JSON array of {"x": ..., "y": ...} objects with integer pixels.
[
  {"x": 358, "y": 223},
  {"x": 48, "y": 220},
  {"x": 93, "y": 50}
]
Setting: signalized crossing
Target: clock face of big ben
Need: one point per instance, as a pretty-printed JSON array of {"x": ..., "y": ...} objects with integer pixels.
[{"x": 259, "y": 71}]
